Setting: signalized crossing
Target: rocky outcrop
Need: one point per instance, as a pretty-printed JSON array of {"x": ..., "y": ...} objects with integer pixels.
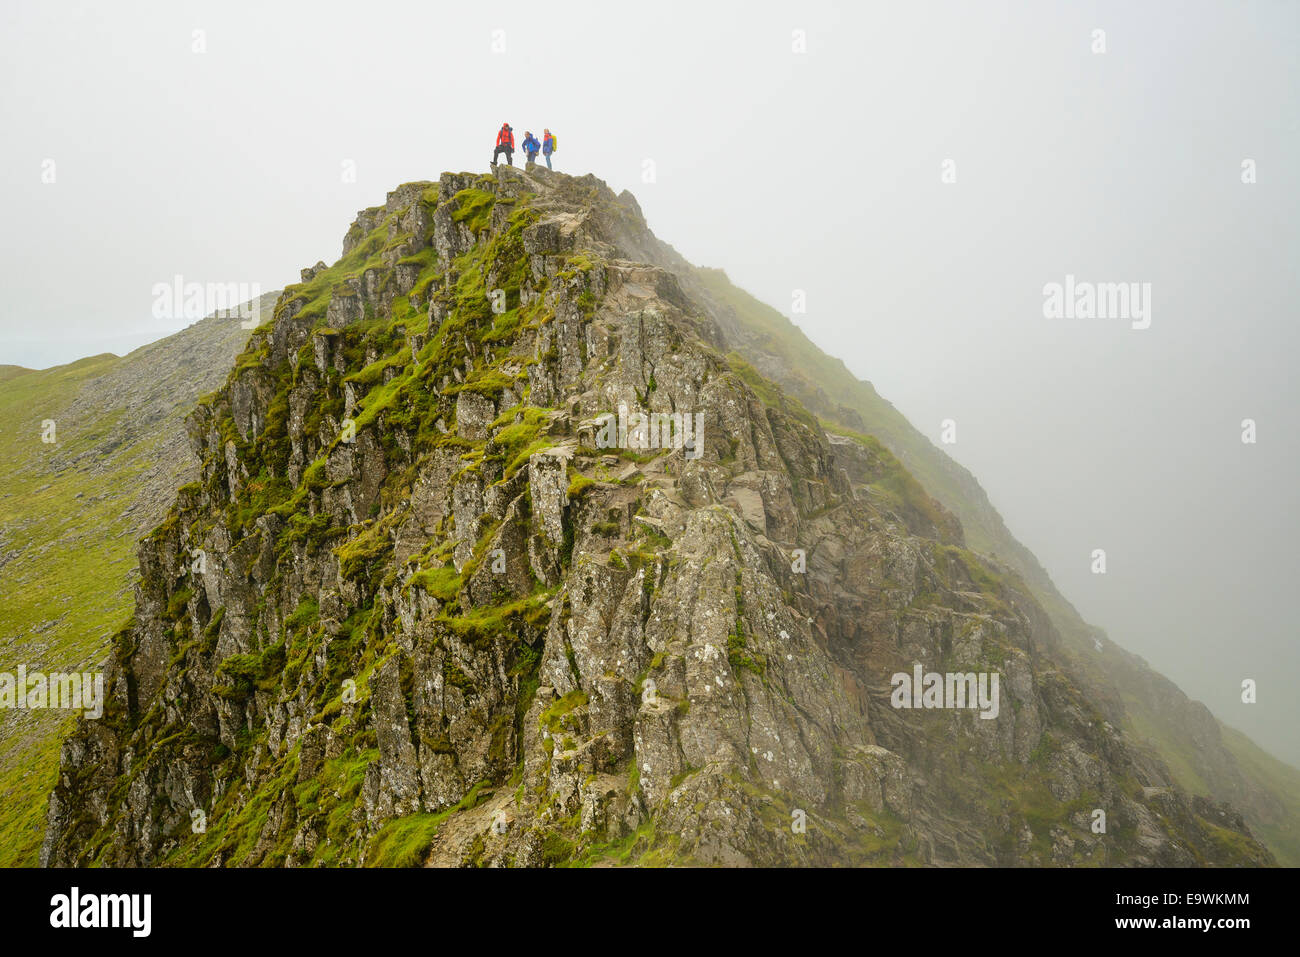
[{"x": 467, "y": 588}]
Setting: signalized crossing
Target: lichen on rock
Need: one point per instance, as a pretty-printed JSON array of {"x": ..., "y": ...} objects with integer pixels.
[{"x": 435, "y": 625}]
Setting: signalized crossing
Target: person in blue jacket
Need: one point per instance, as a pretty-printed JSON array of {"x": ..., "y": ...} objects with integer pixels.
[{"x": 531, "y": 146}]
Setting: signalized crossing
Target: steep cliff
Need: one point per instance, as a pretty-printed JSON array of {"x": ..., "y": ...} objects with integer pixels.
[{"x": 419, "y": 608}]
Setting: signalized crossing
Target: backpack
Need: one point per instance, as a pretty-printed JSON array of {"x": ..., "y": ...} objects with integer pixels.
[{"x": 555, "y": 143}]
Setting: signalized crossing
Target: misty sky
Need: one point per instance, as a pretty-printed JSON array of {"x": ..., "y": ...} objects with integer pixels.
[{"x": 818, "y": 171}]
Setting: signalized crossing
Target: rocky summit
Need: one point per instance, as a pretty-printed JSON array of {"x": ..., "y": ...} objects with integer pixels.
[{"x": 423, "y": 605}]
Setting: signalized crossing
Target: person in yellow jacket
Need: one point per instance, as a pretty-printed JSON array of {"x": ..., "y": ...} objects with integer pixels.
[{"x": 548, "y": 146}]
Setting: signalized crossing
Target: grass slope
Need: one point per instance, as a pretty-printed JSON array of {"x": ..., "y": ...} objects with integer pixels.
[
  {"x": 70, "y": 514},
  {"x": 64, "y": 588},
  {"x": 1281, "y": 834}
]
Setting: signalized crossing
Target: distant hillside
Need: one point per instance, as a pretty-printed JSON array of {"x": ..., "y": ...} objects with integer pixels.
[
  {"x": 1204, "y": 756},
  {"x": 70, "y": 515}
]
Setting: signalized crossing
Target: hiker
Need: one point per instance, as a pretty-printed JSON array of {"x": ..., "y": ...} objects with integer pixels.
[
  {"x": 548, "y": 146},
  {"x": 505, "y": 144},
  {"x": 531, "y": 146}
]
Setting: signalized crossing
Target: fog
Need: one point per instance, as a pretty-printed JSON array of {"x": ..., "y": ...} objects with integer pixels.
[{"x": 135, "y": 150}]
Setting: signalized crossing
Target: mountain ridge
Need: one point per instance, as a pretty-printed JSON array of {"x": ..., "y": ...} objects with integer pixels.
[
  {"x": 503, "y": 714},
  {"x": 1146, "y": 701}
]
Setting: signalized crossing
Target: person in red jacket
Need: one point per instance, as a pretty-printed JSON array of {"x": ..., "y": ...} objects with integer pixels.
[{"x": 505, "y": 144}]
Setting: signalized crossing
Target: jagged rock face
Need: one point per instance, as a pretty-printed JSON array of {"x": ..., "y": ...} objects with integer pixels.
[{"x": 419, "y": 608}]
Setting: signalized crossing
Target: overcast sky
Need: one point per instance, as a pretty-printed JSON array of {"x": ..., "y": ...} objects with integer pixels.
[{"x": 820, "y": 171}]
